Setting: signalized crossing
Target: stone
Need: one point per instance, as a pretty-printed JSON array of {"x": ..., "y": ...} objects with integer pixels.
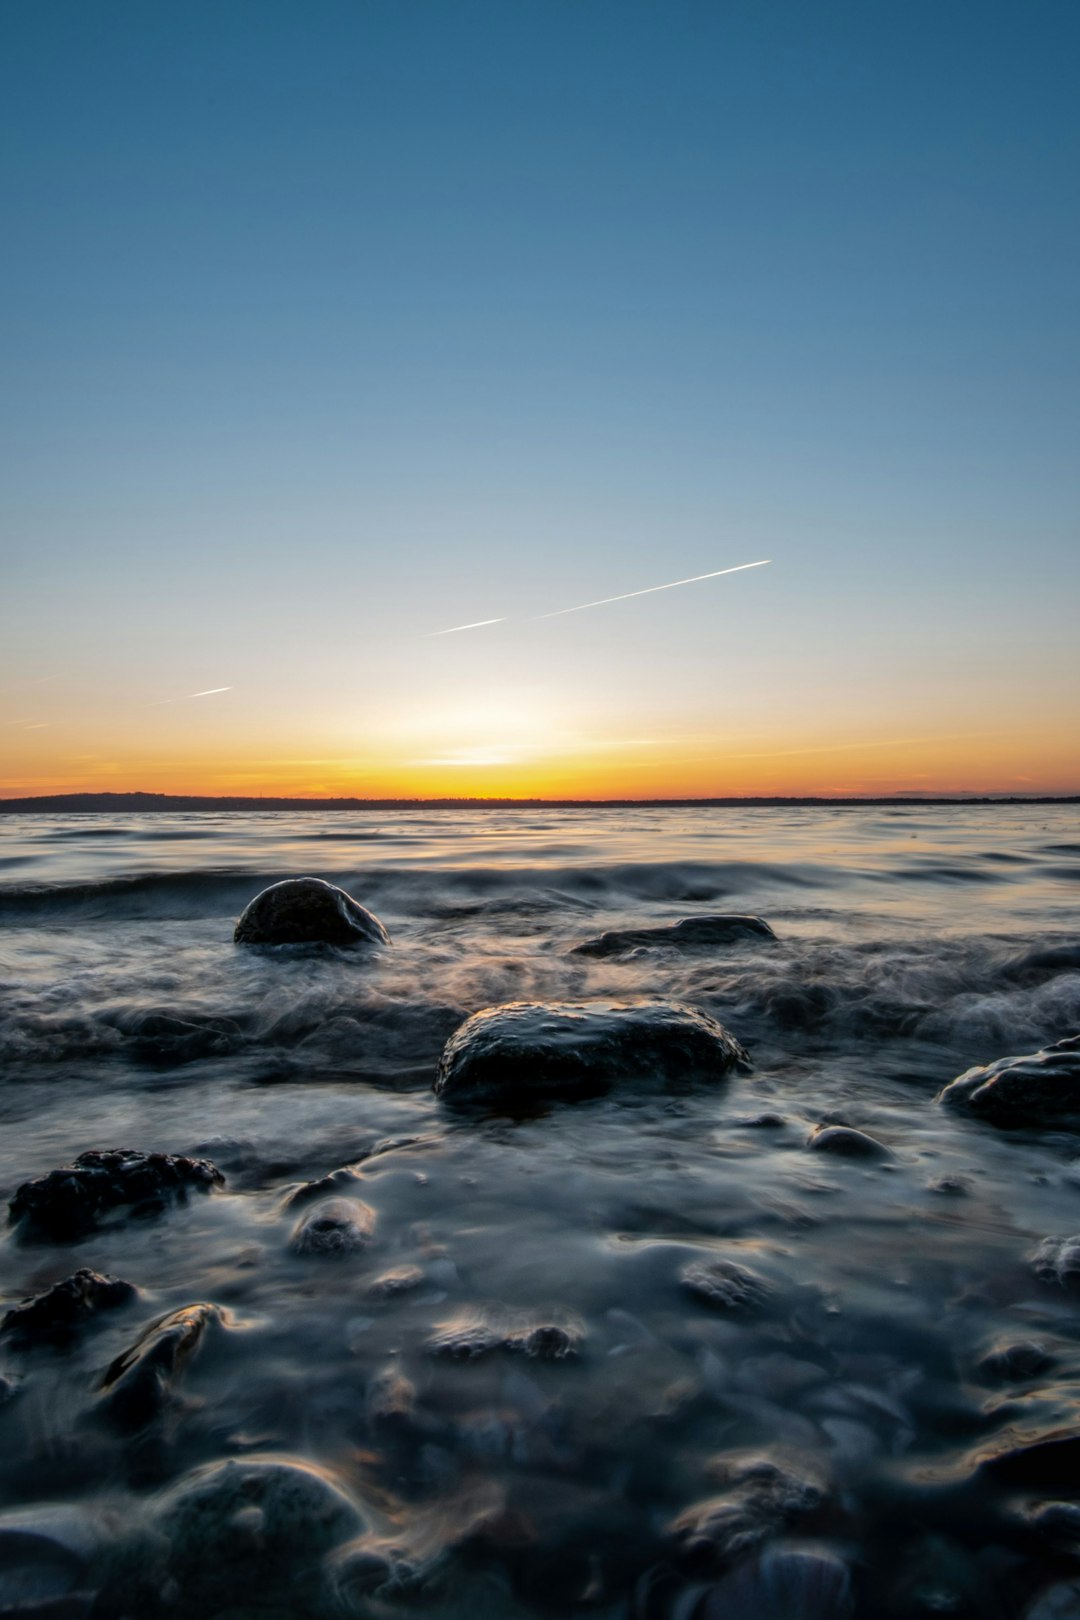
[
  {"x": 725, "y": 1286},
  {"x": 69, "y": 1203},
  {"x": 305, "y": 911},
  {"x": 762, "y": 1498},
  {"x": 1014, "y": 1362},
  {"x": 249, "y": 1533},
  {"x": 846, "y": 1143},
  {"x": 522, "y": 1052},
  {"x": 138, "y": 1385},
  {"x": 57, "y": 1314},
  {"x": 46, "y": 1550},
  {"x": 1041, "y": 1089},
  {"x": 334, "y": 1228},
  {"x": 474, "y": 1333},
  {"x": 782, "y": 1584},
  {"x": 1059, "y": 1602},
  {"x": 692, "y": 933},
  {"x": 1057, "y": 1261}
]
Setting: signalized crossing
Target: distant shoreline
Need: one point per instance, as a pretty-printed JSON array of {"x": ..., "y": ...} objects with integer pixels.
[{"x": 102, "y": 803}]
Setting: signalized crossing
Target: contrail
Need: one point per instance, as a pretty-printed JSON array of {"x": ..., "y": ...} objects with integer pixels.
[
  {"x": 478, "y": 625},
  {"x": 211, "y": 691},
  {"x": 649, "y": 589}
]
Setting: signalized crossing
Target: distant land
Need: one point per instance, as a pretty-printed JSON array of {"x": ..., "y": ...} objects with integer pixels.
[{"x": 100, "y": 803}]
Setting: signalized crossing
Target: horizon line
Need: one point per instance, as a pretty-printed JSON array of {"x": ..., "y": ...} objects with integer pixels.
[{"x": 255, "y": 801}]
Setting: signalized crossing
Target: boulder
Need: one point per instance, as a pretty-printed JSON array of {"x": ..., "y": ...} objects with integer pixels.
[
  {"x": 305, "y": 911},
  {"x": 846, "y": 1143},
  {"x": 1040, "y": 1089},
  {"x": 68, "y": 1203},
  {"x": 691, "y": 934},
  {"x": 139, "y": 1384},
  {"x": 334, "y": 1227},
  {"x": 60, "y": 1311},
  {"x": 527, "y": 1052}
]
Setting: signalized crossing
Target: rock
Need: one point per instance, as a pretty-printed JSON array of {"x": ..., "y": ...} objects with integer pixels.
[
  {"x": 392, "y": 1284},
  {"x": 475, "y": 1333},
  {"x": 1014, "y": 1363},
  {"x": 846, "y": 1143},
  {"x": 57, "y": 1314},
  {"x": 334, "y": 1227},
  {"x": 345, "y": 1181},
  {"x": 1041, "y": 1089},
  {"x": 692, "y": 933},
  {"x": 762, "y": 1499},
  {"x": 138, "y": 1384},
  {"x": 249, "y": 1534},
  {"x": 303, "y": 911},
  {"x": 725, "y": 1286},
  {"x": 1049, "y": 1463},
  {"x": 1057, "y": 1260},
  {"x": 46, "y": 1550},
  {"x": 68, "y": 1203},
  {"x": 524, "y": 1052},
  {"x": 1060, "y": 1602},
  {"x": 782, "y": 1584}
]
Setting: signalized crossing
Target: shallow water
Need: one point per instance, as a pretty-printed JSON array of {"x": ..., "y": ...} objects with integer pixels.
[{"x": 912, "y": 943}]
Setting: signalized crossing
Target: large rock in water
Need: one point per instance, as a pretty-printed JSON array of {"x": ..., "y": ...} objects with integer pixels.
[
  {"x": 525, "y": 1052},
  {"x": 68, "y": 1203},
  {"x": 307, "y": 911},
  {"x": 691, "y": 934},
  {"x": 1041, "y": 1089}
]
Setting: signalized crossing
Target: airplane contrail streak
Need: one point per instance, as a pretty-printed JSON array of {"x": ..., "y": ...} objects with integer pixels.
[
  {"x": 649, "y": 589},
  {"x": 478, "y": 625},
  {"x": 211, "y": 691}
]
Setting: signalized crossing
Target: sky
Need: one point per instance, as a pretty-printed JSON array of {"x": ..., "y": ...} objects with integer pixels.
[{"x": 327, "y": 327}]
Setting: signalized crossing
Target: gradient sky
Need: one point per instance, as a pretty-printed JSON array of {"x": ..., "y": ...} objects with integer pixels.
[{"x": 328, "y": 326}]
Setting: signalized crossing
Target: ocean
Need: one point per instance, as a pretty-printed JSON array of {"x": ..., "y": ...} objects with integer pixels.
[{"x": 507, "y": 1396}]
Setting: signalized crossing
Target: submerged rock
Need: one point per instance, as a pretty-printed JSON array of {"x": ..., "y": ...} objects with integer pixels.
[
  {"x": 846, "y": 1143},
  {"x": 345, "y": 1180},
  {"x": 68, "y": 1203},
  {"x": 524, "y": 1052},
  {"x": 46, "y": 1550},
  {"x": 1057, "y": 1260},
  {"x": 138, "y": 1384},
  {"x": 1015, "y": 1362},
  {"x": 725, "y": 1286},
  {"x": 1060, "y": 1602},
  {"x": 246, "y": 1535},
  {"x": 1041, "y": 1089},
  {"x": 304, "y": 911},
  {"x": 782, "y": 1584},
  {"x": 334, "y": 1227},
  {"x": 58, "y": 1313},
  {"x": 475, "y": 1333},
  {"x": 692, "y": 933},
  {"x": 762, "y": 1498}
]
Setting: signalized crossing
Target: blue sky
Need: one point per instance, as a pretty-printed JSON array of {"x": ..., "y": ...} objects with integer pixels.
[{"x": 326, "y": 326}]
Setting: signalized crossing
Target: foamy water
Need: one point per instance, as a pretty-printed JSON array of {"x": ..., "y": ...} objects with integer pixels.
[{"x": 912, "y": 943}]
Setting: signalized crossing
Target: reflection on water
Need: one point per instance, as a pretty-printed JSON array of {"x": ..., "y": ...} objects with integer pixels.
[{"x": 512, "y": 1393}]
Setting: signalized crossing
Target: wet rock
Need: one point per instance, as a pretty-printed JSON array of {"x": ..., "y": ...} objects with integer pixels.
[
  {"x": 782, "y": 1584},
  {"x": 725, "y": 1286},
  {"x": 475, "y": 1333},
  {"x": 392, "y": 1284},
  {"x": 306, "y": 910},
  {"x": 692, "y": 933},
  {"x": 158, "y": 1036},
  {"x": 1059, "y": 1522},
  {"x": 1015, "y": 1363},
  {"x": 334, "y": 1228},
  {"x": 57, "y": 1314},
  {"x": 1060, "y": 1602},
  {"x": 67, "y": 1204},
  {"x": 1057, "y": 1261},
  {"x": 139, "y": 1384},
  {"x": 1048, "y": 1463},
  {"x": 345, "y": 1180},
  {"x": 525, "y": 1052},
  {"x": 249, "y": 1534},
  {"x": 1041, "y": 1089},
  {"x": 46, "y": 1550},
  {"x": 846, "y": 1143},
  {"x": 762, "y": 1499}
]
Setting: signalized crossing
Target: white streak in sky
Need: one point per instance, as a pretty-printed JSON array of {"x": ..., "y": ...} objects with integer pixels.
[
  {"x": 211, "y": 691},
  {"x": 649, "y": 589},
  {"x": 479, "y": 625}
]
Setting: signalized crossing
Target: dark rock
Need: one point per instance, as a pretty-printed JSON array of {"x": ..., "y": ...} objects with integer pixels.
[
  {"x": 392, "y": 1284},
  {"x": 524, "y": 1052},
  {"x": 724, "y": 1285},
  {"x": 61, "y": 1310},
  {"x": 1014, "y": 1363},
  {"x": 245, "y": 1536},
  {"x": 782, "y": 1584},
  {"x": 345, "y": 1181},
  {"x": 302, "y": 911},
  {"x": 68, "y": 1203},
  {"x": 154, "y": 1036},
  {"x": 46, "y": 1550},
  {"x": 139, "y": 1384},
  {"x": 335, "y": 1227},
  {"x": 1050, "y": 1463},
  {"x": 1058, "y": 1602},
  {"x": 1057, "y": 1260},
  {"x": 762, "y": 1499},
  {"x": 475, "y": 1333},
  {"x": 846, "y": 1143},
  {"x": 693, "y": 933},
  {"x": 1041, "y": 1089}
]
